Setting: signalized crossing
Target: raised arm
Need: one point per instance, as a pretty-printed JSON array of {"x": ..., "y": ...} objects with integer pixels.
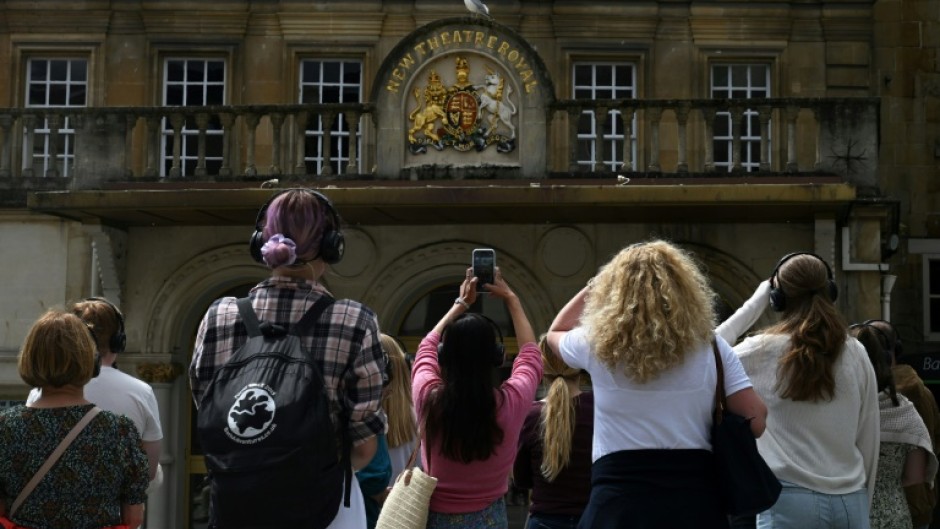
[
  {"x": 567, "y": 319},
  {"x": 520, "y": 322},
  {"x": 745, "y": 317},
  {"x": 468, "y": 295}
]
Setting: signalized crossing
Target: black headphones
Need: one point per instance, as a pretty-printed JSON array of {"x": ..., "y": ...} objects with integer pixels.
[
  {"x": 94, "y": 339},
  {"x": 387, "y": 371},
  {"x": 778, "y": 299},
  {"x": 893, "y": 346},
  {"x": 118, "y": 340},
  {"x": 882, "y": 336},
  {"x": 332, "y": 243},
  {"x": 388, "y": 374},
  {"x": 498, "y": 354}
]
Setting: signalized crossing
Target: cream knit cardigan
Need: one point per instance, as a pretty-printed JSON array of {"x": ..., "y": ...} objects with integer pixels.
[{"x": 829, "y": 446}]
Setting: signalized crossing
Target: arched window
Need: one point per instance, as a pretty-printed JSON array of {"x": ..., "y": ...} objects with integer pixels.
[{"x": 428, "y": 310}]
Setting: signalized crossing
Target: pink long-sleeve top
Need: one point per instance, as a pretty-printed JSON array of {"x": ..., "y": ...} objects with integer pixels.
[{"x": 470, "y": 487}]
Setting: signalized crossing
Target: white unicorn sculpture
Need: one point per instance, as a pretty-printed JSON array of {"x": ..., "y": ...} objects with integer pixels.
[{"x": 494, "y": 100}]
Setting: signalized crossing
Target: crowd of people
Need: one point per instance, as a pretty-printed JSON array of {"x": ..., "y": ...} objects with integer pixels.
[{"x": 620, "y": 437}]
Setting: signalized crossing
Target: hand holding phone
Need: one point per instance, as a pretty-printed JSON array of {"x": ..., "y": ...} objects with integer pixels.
[{"x": 484, "y": 267}]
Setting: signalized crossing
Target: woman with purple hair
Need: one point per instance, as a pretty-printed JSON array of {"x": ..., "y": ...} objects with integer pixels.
[{"x": 297, "y": 235}]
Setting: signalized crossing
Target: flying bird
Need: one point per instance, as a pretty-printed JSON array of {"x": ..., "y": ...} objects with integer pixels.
[{"x": 477, "y": 6}]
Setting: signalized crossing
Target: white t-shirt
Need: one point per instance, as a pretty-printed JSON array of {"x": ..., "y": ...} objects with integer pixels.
[
  {"x": 354, "y": 516},
  {"x": 672, "y": 411},
  {"x": 122, "y": 394}
]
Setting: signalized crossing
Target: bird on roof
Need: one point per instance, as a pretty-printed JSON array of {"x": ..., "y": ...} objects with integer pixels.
[{"x": 477, "y": 6}]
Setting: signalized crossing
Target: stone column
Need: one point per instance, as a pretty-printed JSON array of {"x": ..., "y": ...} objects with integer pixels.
[
  {"x": 161, "y": 376},
  {"x": 864, "y": 280}
]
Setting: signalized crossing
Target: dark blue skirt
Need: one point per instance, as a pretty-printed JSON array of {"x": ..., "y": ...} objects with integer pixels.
[{"x": 654, "y": 489}]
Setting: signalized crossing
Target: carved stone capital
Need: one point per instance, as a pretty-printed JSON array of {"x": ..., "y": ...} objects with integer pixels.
[{"x": 165, "y": 372}]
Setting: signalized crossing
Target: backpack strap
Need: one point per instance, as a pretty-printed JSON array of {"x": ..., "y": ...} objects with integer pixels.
[
  {"x": 299, "y": 329},
  {"x": 312, "y": 315},
  {"x": 249, "y": 317}
]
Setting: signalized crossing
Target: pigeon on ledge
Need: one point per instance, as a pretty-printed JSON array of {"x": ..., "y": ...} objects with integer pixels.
[{"x": 477, "y": 6}]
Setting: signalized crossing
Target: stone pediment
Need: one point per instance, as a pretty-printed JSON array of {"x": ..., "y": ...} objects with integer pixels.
[{"x": 462, "y": 97}]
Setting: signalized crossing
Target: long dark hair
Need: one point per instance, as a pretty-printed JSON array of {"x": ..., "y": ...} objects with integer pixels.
[
  {"x": 462, "y": 411},
  {"x": 816, "y": 328},
  {"x": 876, "y": 343}
]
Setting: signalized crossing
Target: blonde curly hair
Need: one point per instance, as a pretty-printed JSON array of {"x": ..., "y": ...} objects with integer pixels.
[{"x": 647, "y": 308}]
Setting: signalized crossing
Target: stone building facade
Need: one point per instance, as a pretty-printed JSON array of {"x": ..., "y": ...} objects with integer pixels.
[{"x": 138, "y": 139}]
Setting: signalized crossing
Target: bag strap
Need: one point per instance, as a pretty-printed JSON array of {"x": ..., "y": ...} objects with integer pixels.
[
  {"x": 53, "y": 457},
  {"x": 721, "y": 401},
  {"x": 299, "y": 329},
  {"x": 254, "y": 325},
  {"x": 312, "y": 315},
  {"x": 414, "y": 452},
  {"x": 413, "y": 458},
  {"x": 249, "y": 317}
]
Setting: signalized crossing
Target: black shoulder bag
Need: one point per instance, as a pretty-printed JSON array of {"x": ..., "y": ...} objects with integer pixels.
[{"x": 746, "y": 484}]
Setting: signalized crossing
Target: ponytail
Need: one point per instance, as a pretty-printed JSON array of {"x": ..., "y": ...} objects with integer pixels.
[
  {"x": 557, "y": 421},
  {"x": 817, "y": 336}
]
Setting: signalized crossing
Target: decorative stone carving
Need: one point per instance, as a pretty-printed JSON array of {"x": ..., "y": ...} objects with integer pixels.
[{"x": 164, "y": 373}]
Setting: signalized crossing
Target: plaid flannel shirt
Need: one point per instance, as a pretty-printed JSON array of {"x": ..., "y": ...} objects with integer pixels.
[{"x": 348, "y": 352}]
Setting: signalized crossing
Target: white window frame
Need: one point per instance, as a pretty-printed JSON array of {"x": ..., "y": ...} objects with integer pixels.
[
  {"x": 189, "y": 154},
  {"x": 42, "y": 133},
  {"x": 750, "y": 139},
  {"x": 340, "y": 133},
  {"x": 615, "y": 138},
  {"x": 927, "y": 258}
]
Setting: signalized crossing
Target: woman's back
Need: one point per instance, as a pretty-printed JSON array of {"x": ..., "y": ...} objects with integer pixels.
[
  {"x": 466, "y": 487},
  {"x": 672, "y": 411},
  {"x": 827, "y": 445},
  {"x": 102, "y": 468},
  {"x": 902, "y": 432},
  {"x": 568, "y": 493},
  {"x": 889, "y": 508}
]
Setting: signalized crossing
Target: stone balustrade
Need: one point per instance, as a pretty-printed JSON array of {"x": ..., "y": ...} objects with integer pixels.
[
  {"x": 843, "y": 133},
  {"x": 833, "y": 136}
]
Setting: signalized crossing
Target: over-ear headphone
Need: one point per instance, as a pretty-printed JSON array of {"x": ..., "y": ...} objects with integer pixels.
[
  {"x": 894, "y": 346},
  {"x": 778, "y": 299},
  {"x": 94, "y": 339},
  {"x": 332, "y": 243},
  {"x": 387, "y": 370},
  {"x": 118, "y": 340},
  {"x": 882, "y": 336},
  {"x": 498, "y": 354}
]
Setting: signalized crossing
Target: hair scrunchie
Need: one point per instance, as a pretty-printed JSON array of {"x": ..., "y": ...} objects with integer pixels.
[{"x": 279, "y": 251}]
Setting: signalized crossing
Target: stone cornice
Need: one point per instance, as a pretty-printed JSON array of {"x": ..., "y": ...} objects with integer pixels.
[
  {"x": 837, "y": 27},
  {"x": 590, "y": 26},
  {"x": 762, "y": 29},
  {"x": 195, "y": 23},
  {"x": 332, "y": 26},
  {"x": 56, "y": 21}
]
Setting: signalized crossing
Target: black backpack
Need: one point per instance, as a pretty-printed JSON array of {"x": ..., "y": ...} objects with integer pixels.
[{"x": 265, "y": 428}]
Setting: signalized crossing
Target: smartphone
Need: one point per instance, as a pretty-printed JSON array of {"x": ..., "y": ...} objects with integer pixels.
[{"x": 484, "y": 267}]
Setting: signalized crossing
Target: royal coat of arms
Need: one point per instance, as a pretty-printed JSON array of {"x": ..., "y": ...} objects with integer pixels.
[{"x": 463, "y": 116}]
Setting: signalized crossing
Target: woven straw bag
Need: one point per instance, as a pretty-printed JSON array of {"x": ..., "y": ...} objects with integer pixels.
[{"x": 407, "y": 504}]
